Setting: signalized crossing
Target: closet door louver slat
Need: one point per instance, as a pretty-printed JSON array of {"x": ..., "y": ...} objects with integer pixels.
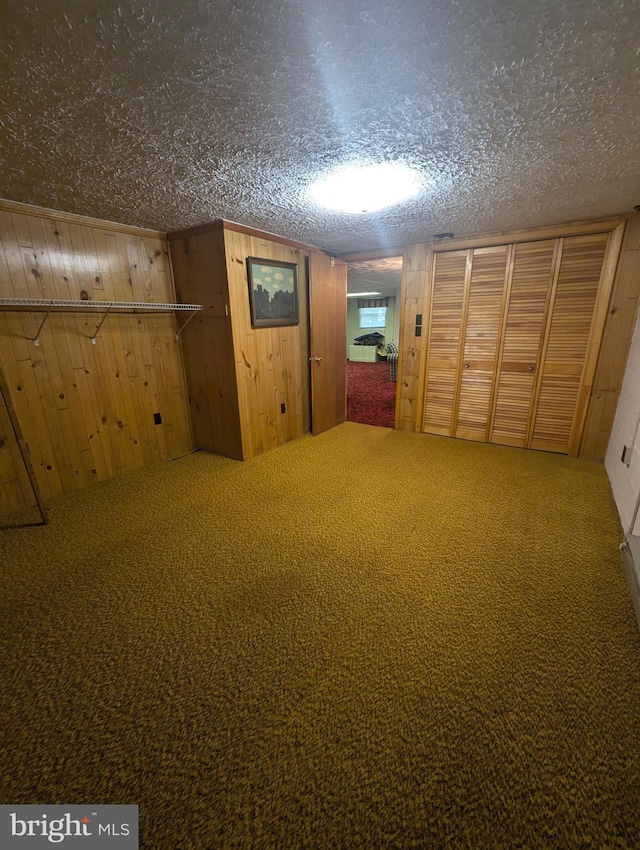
[
  {"x": 524, "y": 332},
  {"x": 444, "y": 341},
  {"x": 571, "y": 317},
  {"x": 482, "y": 324}
]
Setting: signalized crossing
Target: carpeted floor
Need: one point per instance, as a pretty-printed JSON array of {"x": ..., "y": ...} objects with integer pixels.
[
  {"x": 371, "y": 396},
  {"x": 367, "y": 639}
]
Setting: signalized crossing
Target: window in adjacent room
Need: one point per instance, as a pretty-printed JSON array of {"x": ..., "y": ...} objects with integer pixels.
[{"x": 373, "y": 317}]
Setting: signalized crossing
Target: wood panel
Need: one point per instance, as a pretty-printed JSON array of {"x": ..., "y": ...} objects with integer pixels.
[
  {"x": 87, "y": 411},
  {"x": 271, "y": 364},
  {"x": 222, "y": 224},
  {"x": 16, "y": 495},
  {"x": 414, "y": 300},
  {"x": 529, "y": 234},
  {"x": 529, "y": 293},
  {"x": 18, "y": 488},
  {"x": 200, "y": 273},
  {"x": 83, "y": 220},
  {"x": 571, "y": 319},
  {"x": 482, "y": 325},
  {"x": 614, "y": 350},
  {"x": 450, "y": 283}
]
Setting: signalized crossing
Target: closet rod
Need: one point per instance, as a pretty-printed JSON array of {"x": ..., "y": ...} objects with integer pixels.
[
  {"x": 67, "y": 305},
  {"x": 62, "y": 304}
]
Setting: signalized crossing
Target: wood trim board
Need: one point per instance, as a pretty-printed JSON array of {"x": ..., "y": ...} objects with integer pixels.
[{"x": 73, "y": 218}]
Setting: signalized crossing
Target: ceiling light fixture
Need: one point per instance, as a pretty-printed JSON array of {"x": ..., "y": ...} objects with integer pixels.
[
  {"x": 358, "y": 189},
  {"x": 361, "y": 294}
]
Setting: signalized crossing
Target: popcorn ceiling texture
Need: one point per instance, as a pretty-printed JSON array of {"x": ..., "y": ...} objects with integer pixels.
[
  {"x": 165, "y": 115},
  {"x": 384, "y": 275}
]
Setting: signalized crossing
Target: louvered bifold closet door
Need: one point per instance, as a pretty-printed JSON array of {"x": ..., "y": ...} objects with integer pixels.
[
  {"x": 448, "y": 291},
  {"x": 529, "y": 292},
  {"x": 481, "y": 323},
  {"x": 565, "y": 347}
]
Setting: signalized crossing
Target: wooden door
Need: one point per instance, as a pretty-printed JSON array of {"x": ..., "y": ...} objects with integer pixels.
[
  {"x": 450, "y": 274},
  {"x": 513, "y": 337},
  {"x": 529, "y": 293},
  {"x": 328, "y": 341},
  {"x": 464, "y": 331},
  {"x": 481, "y": 322},
  {"x": 561, "y": 387}
]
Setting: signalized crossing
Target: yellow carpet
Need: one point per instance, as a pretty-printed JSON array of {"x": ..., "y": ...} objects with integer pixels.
[{"x": 366, "y": 639}]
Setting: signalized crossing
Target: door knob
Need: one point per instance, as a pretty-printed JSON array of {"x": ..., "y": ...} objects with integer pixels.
[
  {"x": 315, "y": 359},
  {"x": 466, "y": 365},
  {"x": 529, "y": 368}
]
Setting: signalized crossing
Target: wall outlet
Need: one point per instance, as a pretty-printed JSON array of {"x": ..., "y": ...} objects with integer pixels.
[
  {"x": 627, "y": 451},
  {"x": 157, "y": 418}
]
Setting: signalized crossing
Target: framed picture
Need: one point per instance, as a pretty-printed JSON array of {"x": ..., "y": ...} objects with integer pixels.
[{"x": 273, "y": 292}]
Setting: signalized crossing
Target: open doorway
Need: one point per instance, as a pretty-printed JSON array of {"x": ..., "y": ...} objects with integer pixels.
[{"x": 373, "y": 322}]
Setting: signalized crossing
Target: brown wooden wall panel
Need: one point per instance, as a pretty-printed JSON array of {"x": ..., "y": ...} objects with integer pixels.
[
  {"x": 445, "y": 326},
  {"x": 614, "y": 350},
  {"x": 414, "y": 299},
  {"x": 200, "y": 272},
  {"x": 16, "y": 494},
  {"x": 86, "y": 411},
  {"x": 482, "y": 325},
  {"x": 271, "y": 364}
]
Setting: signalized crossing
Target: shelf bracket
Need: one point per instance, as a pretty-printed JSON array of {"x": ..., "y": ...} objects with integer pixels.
[
  {"x": 36, "y": 339},
  {"x": 184, "y": 325},
  {"x": 93, "y": 338}
]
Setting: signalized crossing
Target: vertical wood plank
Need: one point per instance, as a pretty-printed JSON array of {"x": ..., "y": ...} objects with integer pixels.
[
  {"x": 413, "y": 295},
  {"x": 87, "y": 410},
  {"x": 614, "y": 348}
]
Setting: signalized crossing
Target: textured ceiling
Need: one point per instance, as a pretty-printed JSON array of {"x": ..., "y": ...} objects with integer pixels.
[
  {"x": 383, "y": 276},
  {"x": 167, "y": 114}
]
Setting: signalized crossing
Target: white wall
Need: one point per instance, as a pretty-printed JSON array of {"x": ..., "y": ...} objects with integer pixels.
[{"x": 625, "y": 480}]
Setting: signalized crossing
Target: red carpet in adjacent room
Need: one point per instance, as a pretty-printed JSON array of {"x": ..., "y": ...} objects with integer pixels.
[{"x": 371, "y": 396}]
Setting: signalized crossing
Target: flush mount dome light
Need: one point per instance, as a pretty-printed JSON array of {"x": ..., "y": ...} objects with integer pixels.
[{"x": 366, "y": 188}]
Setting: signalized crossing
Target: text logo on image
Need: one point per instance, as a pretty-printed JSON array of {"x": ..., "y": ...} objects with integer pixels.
[{"x": 102, "y": 827}]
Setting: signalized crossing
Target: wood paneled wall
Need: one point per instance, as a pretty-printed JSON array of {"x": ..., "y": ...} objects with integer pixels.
[
  {"x": 240, "y": 377},
  {"x": 614, "y": 350},
  {"x": 271, "y": 364},
  {"x": 417, "y": 270},
  {"x": 200, "y": 273},
  {"x": 16, "y": 492},
  {"x": 86, "y": 411}
]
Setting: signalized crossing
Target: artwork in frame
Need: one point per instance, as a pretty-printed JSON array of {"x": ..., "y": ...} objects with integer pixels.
[{"x": 273, "y": 292}]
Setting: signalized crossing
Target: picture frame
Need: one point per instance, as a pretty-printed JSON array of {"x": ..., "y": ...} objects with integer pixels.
[{"x": 273, "y": 293}]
